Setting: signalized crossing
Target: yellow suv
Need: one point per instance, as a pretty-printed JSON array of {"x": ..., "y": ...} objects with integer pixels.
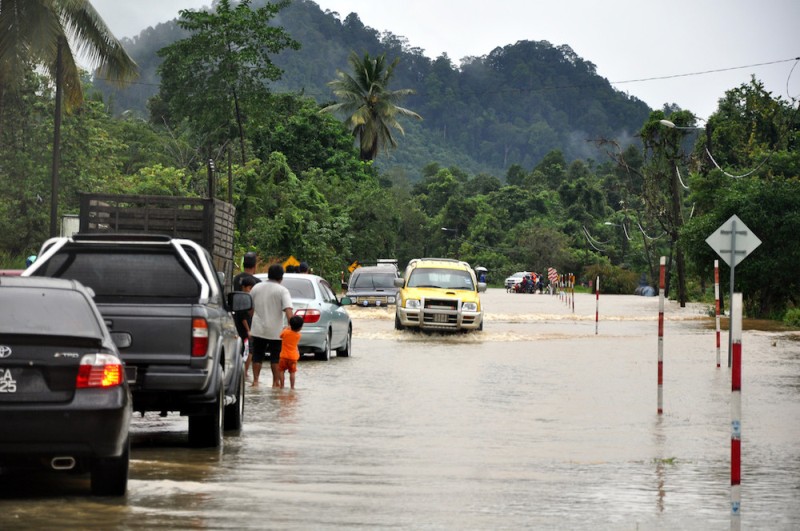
[{"x": 439, "y": 294}]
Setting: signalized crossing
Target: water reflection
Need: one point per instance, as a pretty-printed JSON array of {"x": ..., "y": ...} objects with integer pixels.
[{"x": 537, "y": 422}]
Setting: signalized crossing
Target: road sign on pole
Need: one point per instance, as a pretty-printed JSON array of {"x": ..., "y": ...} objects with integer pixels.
[
  {"x": 733, "y": 238},
  {"x": 733, "y": 242}
]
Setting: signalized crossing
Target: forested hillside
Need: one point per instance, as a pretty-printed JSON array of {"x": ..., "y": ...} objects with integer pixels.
[
  {"x": 500, "y": 172},
  {"x": 508, "y": 107}
]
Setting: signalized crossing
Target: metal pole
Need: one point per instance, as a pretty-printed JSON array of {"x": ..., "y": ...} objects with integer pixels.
[
  {"x": 736, "y": 412},
  {"x": 597, "y": 305},
  {"x": 572, "y": 288},
  {"x": 733, "y": 267},
  {"x": 716, "y": 299},
  {"x": 661, "y": 282}
]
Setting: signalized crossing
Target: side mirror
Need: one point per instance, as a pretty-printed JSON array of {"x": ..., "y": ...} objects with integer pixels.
[
  {"x": 399, "y": 282},
  {"x": 345, "y": 301},
  {"x": 481, "y": 287},
  {"x": 122, "y": 339},
  {"x": 239, "y": 301},
  {"x": 221, "y": 278}
]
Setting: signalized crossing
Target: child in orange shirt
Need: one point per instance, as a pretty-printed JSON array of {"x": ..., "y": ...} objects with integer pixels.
[{"x": 290, "y": 338}]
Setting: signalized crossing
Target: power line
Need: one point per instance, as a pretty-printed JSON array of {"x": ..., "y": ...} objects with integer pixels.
[
  {"x": 564, "y": 87},
  {"x": 704, "y": 72}
]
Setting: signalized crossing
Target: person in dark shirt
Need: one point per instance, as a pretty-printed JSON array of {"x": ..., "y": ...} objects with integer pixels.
[
  {"x": 249, "y": 263},
  {"x": 243, "y": 319}
]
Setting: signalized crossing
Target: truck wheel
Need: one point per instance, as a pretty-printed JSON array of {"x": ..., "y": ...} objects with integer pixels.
[
  {"x": 344, "y": 352},
  {"x": 109, "y": 475},
  {"x": 325, "y": 355},
  {"x": 205, "y": 431},
  {"x": 397, "y": 325},
  {"x": 234, "y": 413}
]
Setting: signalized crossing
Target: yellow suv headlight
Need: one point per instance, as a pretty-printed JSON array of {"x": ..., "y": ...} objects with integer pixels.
[
  {"x": 412, "y": 304},
  {"x": 470, "y": 307}
]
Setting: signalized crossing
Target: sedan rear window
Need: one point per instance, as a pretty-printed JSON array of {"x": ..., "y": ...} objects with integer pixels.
[
  {"x": 41, "y": 311},
  {"x": 299, "y": 288}
]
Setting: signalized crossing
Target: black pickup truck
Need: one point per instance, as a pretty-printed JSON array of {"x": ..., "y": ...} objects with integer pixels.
[{"x": 185, "y": 353}]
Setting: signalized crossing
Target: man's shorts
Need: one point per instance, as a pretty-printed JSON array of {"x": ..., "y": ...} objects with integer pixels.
[
  {"x": 261, "y": 346},
  {"x": 287, "y": 365}
]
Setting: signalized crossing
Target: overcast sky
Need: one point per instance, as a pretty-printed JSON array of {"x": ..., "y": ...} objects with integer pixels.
[{"x": 663, "y": 42}]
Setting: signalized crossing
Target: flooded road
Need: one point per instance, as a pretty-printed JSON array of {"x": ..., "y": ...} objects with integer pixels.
[{"x": 537, "y": 422}]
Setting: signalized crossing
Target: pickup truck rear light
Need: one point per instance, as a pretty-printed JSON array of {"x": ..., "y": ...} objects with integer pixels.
[
  {"x": 309, "y": 316},
  {"x": 199, "y": 337},
  {"x": 99, "y": 370}
]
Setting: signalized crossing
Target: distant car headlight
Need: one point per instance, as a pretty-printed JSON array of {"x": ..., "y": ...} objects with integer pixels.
[
  {"x": 470, "y": 307},
  {"x": 412, "y": 304},
  {"x": 390, "y": 299}
]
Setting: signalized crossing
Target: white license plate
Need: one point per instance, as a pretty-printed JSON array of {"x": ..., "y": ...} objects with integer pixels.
[
  {"x": 439, "y": 318},
  {"x": 7, "y": 382}
]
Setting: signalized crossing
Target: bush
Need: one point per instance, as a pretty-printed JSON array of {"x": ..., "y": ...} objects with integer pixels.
[
  {"x": 613, "y": 279},
  {"x": 792, "y": 318}
]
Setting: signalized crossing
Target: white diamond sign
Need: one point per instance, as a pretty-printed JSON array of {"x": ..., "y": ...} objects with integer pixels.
[{"x": 733, "y": 238}]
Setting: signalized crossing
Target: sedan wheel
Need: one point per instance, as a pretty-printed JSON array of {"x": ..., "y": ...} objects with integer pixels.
[
  {"x": 344, "y": 352},
  {"x": 109, "y": 475},
  {"x": 325, "y": 355}
]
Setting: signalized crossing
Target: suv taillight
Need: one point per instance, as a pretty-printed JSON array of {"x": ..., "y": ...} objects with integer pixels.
[
  {"x": 309, "y": 316},
  {"x": 199, "y": 336},
  {"x": 99, "y": 370}
]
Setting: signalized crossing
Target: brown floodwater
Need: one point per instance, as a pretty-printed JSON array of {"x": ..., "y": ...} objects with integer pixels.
[{"x": 545, "y": 420}]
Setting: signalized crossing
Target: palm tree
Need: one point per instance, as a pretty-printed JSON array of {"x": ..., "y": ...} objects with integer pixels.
[
  {"x": 39, "y": 33},
  {"x": 371, "y": 107}
]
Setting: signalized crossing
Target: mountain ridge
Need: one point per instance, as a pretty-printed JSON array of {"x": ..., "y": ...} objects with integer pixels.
[{"x": 509, "y": 107}]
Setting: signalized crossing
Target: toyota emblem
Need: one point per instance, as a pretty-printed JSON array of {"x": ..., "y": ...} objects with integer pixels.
[{"x": 5, "y": 351}]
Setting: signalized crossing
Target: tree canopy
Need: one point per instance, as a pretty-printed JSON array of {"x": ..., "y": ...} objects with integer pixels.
[
  {"x": 304, "y": 190},
  {"x": 371, "y": 107}
]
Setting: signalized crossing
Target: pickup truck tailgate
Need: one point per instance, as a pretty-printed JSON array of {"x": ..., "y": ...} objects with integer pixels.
[{"x": 161, "y": 333}]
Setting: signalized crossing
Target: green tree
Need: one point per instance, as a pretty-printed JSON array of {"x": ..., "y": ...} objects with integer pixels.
[
  {"x": 768, "y": 278},
  {"x": 210, "y": 77},
  {"x": 45, "y": 33},
  {"x": 754, "y": 139},
  {"x": 24, "y": 136},
  {"x": 372, "y": 108}
]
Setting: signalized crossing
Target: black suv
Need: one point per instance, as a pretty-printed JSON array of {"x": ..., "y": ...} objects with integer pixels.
[{"x": 373, "y": 285}]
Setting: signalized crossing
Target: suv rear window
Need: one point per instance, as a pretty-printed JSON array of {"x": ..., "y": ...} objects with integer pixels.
[
  {"x": 370, "y": 280},
  {"x": 126, "y": 276}
]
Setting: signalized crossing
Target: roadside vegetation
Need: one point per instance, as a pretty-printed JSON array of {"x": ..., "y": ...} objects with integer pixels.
[{"x": 306, "y": 184}]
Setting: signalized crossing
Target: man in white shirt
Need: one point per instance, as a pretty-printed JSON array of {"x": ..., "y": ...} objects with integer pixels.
[{"x": 271, "y": 304}]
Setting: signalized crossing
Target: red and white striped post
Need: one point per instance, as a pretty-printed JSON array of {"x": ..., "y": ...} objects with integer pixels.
[
  {"x": 716, "y": 299},
  {"x": 597, "y": 304},
  {"x": 661, "y": 282},
  {"x": 736, "y": 410}
]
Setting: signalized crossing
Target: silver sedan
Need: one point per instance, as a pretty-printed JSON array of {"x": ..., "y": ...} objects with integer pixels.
[{"x": 326, "y": 323}]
